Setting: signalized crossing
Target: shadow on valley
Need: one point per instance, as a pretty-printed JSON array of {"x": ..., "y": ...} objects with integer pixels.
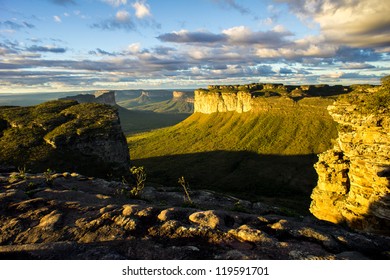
[
  {"x": 284, "y": 181},
  {"x": 135, "y": 121}
]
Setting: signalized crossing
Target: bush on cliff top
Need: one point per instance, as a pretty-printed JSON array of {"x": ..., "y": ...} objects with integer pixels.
[{"x": 371, "y": 100}]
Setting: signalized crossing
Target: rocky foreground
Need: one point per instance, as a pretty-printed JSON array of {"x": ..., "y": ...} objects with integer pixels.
[{"x": 69, "y": 216}]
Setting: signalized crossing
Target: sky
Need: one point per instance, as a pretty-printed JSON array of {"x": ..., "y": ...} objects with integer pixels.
[{"x": 65, "y": 45}]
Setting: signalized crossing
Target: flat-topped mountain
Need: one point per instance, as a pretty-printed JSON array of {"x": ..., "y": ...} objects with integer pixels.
[
  {"x": 64, "y": 135},
  {"x": 245, "y": 98},
  {"x": 100, "y": 96}
]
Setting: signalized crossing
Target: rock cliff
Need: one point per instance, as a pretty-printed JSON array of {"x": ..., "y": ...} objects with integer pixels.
[
  {"x": 253, "y": 97},
  {"x": 211, "y": 102},
  {"x": 353, "y": 185},
  {"x": 70, "y": 216},
  {"x": 64, "y": 135}
]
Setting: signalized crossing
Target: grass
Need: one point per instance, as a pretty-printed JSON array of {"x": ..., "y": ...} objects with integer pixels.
[
  {"x": 266, "y": 156},
  {"x": 296, "y": 131},
  {"x": 134, "y": 121}
]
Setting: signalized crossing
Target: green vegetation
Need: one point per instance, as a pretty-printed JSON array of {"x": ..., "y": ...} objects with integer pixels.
[
  {"x": 139, "y": 175},
  {"x": 48, "y": 175},
  {"x": 369, "y": 99},
  {"x": 53, "y": 134},
  {"x": 169, "y": 106},
  {"x": 134, "y": 121},
  {"x": 264, "y": 156}
]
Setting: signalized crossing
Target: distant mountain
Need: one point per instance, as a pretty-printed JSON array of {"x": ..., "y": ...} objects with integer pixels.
[
  {"x": 176, "y": 102},
  {"x": 101, "y": 96}
]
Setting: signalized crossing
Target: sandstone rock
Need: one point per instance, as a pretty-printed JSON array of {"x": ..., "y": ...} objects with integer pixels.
[
  {"x": 246, "y": 233},
  {"x": 353, "y": 186},
  {"x": 50, "y": 220},
  {"x": 211, "y": 219},
  {"x": 64, "y": 222},
  {"x": 130, "y": 209}
]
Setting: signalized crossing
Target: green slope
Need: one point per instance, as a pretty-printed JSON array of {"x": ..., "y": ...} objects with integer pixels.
[
  {"x": 135, "y": 121},
  {"x": 169, "y": 106},
  {"x": 262, "y": 156}
]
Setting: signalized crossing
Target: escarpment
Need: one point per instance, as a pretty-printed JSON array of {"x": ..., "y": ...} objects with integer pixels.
[
  {"x": 353, "y": 185},
  {"x": 258, "y": 97},
  {"x": 64, "y": 135}
]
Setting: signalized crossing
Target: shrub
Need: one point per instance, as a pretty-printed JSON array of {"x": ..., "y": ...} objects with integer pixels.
[
  {"x": 139, "y": 175},
  {"x": 186, "y": 187}
]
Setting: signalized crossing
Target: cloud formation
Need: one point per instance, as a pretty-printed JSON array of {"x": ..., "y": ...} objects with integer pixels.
[
  {"x": 239, "y": 35},
  {"x": 142, "y": 9},
  {"x": 63, "y": 2},
  {"x": 355, "y": 23},
  {"x": 57, "y": 19},
  {"x": 115, "y": 3},
  {"x": 122, "y": 20},
  {"x": 52, "y": 49},
  {"x": 13, "y": 25},
  {"x": 232, "y": 4}
]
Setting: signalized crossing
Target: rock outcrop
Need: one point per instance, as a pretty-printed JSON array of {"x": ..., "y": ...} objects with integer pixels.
[
  {"x": 253, "y": 97},
  {"x": 211, "y": 102},
  {"x": 102, "y": 97},
  {"x": 70, "y": 216},
  {"x": 64, "y": 135},
  {"x": 353, "y": 185},
  {"x": 182, "y": 96}
]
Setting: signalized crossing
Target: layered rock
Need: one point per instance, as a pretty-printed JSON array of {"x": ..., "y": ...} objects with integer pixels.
[
  {"x": 65, "y": 135},
  {"x": 182, "y": 96},
  {"x": 211, "y": 102},
  {"x": 71, "y": 216},
  {"x": 353, "y": 185},
  {"x": 257, "y": 97}
]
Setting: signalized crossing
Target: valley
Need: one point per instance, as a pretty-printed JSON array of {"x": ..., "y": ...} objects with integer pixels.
[
  {"x": 250, "y": 174},
  {"x": 265, "y": 154}
]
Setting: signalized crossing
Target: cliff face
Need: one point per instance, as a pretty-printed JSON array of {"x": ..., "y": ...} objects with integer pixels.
[
  {"x": 353, "y": 184},
  {"x": 64, "y": 135},
  {"x": 255, "y": 97},
  {"x": 212, "y": 102}
]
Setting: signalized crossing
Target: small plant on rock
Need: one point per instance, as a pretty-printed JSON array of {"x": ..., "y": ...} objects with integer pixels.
[
  {"x": 139, "y": 175},
  {"x": 186, "y": 186},
  {"x": 48, "y": 174},
  {"x": 21, "y": 175}
]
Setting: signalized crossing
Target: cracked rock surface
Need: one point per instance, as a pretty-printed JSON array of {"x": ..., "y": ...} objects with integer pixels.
[{"x": 78, "y": 217}]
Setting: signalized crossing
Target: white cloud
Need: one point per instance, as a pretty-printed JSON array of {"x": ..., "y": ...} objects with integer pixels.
[
  {"x": 116, "y": 3},
  {"x": 122, "y": 16},
  {"x": 134, "y": 48},
  {"x": 57, "y": 19},
  {"x": 142, "y": 9},
  {"x": 356, "y": 23}
]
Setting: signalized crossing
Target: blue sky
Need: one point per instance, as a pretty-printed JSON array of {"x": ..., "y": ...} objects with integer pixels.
[{"x": 61, "y": 45}]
